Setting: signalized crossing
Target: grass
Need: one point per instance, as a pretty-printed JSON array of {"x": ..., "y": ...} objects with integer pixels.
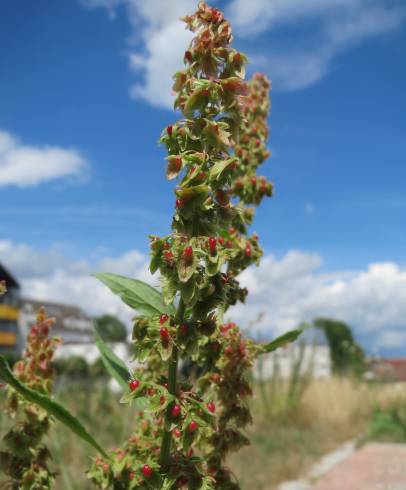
[{"x": 286, "y": 437}]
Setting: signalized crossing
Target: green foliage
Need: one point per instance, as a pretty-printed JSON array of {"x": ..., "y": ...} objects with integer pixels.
[
  {"x": 389, "y": 424},
  {"x": 347, "y": 356},
  {"x": 284, "y": 339},
  {"x": 137, "y": 294},
  {"x": 114, "y": 365},
  {"x": 214, "y": 151},
  {"x": 111, "y": 329},
  {"x": 74, "y": 366},
  {"x": 50, "y": 406}
]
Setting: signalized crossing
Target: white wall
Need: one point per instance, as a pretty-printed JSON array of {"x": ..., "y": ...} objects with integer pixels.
[{"x": 316, "y": 360}]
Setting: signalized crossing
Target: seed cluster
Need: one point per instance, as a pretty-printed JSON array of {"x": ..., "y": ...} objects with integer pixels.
[
  {"x": 213, "y": 153},
  {"x": 26, "y": 459}
]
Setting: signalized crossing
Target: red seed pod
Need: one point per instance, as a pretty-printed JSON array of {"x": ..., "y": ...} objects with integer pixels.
[
  {"x": 188, "y": 254},
  {"x": 176, "y": 432},
  {"x": 181, "y": 482},
  {"x": 192, "y": 426},
  {"x": 163, "y": 318},
  {"x": 179, "y": 203},
  {"x": 212, "y": 245},
  {"x": 257, "y": 143},
  {"x": 164, "y": 333},
  {"x": 221, "y": 240},
  {"x": 147, "y": 471},
  {"x": 175, "y": 412},
  {"x": 228, "y": 350},
  {"x": 169, "y": 130},
  {"x": 134, "y": 384},
  {"x": 184, "y": 329},
  {"x": 168, "y": 256},
  {"x": 162, "y": 399},
  {"x": 211, "y": 407},
  {"x": 237, "y": 59},
  {"x": 247, "y": 251},
  {"x": 188, "y": 56},
  {"x": 254, "y": 181}
]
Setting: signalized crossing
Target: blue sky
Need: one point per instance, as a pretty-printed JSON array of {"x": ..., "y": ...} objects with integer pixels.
[{"x": 84, "y": 96}]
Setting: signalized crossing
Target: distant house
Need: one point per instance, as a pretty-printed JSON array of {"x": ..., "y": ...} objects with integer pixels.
[
  {"x": 387, "y": 370},
  {"x": 72, "y": 325},
  {"x": 9, "y": 312},
  {"x": 310, "y": 354}
]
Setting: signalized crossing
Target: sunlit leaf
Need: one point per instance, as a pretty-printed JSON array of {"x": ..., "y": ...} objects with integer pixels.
[{"x": 52, "y": 407}]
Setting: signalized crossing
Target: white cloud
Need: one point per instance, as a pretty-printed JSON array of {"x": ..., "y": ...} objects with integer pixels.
[
  {"x": 286, "y": 290},
  {"x": 292, "y": 289},
  {"x": 49, "y": 275},
  {"x": 160, "y": 39},
  {"x": 336, "y": 26},
  {"x": 320, "y": 30},
  {"x": 27, "y": 166}
]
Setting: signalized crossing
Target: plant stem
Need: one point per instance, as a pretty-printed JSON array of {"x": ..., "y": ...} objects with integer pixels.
[{"x": 172, "y": 375}]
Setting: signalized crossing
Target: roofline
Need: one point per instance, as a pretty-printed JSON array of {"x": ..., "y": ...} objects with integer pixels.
[{"x": 9, "y": 278}]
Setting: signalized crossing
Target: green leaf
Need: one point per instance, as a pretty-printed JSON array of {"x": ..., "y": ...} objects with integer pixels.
[
  {"x": 286, "y": 338},
  {"x": 137, "y": 294},
  {"x": 53, "y": 408},
  {"x": 218, "y": 168},
  {"x": 114, "y": 365}
]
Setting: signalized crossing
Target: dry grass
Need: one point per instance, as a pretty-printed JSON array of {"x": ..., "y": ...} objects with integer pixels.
[{"x": 285, "y": 442}]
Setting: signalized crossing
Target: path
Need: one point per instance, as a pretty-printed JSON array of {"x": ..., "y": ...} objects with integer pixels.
[{"x": 376, "y": 466}]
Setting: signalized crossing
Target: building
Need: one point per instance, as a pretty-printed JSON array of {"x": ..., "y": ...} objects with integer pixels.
[
  {"x": 72, "y": 324},
  {"x": 387, "y": 370},
  {"x": 310, "y": 354},
  {"x": 9, "y": 313}
]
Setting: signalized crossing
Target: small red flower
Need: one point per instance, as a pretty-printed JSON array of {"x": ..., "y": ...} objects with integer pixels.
[
  {"x": 147, "y": 471},
  {"x": 188, "y": 254},
  {"x": 134, "y": 384},
  {"x": 164, "y": 333},
  {"x": 212, "y": 245},
  {"x": 211, "y": 407},
  {"x": 176, "y": 432},
  {"x": 175, "y": 411},
  {"x": 183, "y": 329},
  {"x": 192, "y": 426},
  {"x": 228, "y": 350},
  {"x": 248, "y": 251},
  {"x": 168, "y": 255},
  {"x": 169, "y": 130},
  {"x": 163, "y": 318}
]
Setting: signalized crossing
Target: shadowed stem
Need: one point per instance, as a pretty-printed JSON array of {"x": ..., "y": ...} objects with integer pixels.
[{"x": 172, "y": 375}]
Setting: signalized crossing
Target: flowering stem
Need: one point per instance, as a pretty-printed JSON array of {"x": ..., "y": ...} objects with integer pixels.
[{"x": 172, "y": 374}]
